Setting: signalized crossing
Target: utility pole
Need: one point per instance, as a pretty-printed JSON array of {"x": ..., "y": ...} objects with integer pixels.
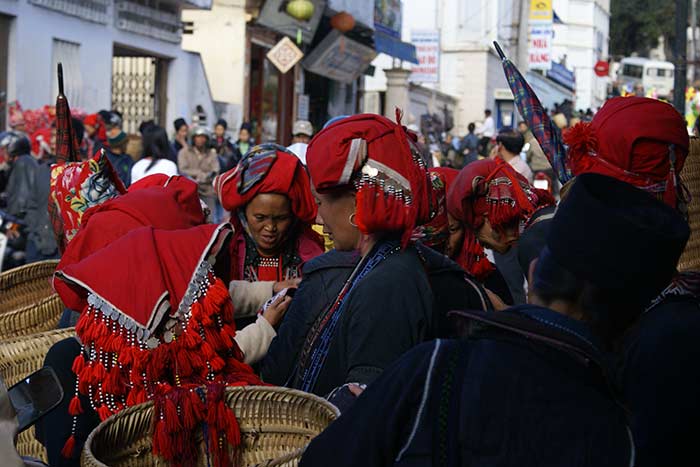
[
  {"x": 693, "y": 40},
  {"x": 680, "y": 46}
]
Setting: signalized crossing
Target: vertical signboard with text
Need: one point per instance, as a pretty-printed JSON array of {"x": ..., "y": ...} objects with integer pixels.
[
  {"x": 427, "y": 42},
  {"x": 540, "y": 31}
]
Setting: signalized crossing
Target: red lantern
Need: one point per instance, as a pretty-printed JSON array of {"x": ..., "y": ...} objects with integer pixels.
[{"x": 343, "y": 22}]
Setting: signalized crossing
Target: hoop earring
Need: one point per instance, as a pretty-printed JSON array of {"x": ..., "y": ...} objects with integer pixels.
[{"x": 351, "y": 219}]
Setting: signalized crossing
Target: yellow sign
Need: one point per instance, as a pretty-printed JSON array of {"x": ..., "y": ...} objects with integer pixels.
[{"x": 541, "y": 10}]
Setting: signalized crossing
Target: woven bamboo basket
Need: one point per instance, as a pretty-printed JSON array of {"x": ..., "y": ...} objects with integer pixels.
[
  {"x": 20, "y": 357},
  {"x": 28, "y": 304},
  {"x": 276, "y": 426},
  {"x": 690, "y": 260}
]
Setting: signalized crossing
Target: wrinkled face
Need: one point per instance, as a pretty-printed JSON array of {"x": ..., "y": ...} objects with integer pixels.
[
  {"x": 219, "y": 131},
  {"x": 269, "y": 217},
  {"x": 334, "y": 213},
  {"x": 200, "y": 141},
  {"x": 499, "y": 241},
  {"x": 182, "y": 132},
  {"x": 243, "y": 135},
  {"x": 455, "y": 237},
  {"x": 301, "y": 139}
]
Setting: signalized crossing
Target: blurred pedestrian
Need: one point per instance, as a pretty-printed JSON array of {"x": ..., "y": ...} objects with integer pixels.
[
  {"x": 485, "y": 131},
  {"x": 156, "y": 150},
  {"x": 200, "y": 162},
  {"x": 302, "y": 131},
  {"x": 180, "y": 139},
  {"x": 470, "y": 146},
  {"x": 223, "y": 146},
  {"x": 243, "y": 144},
  {"x": 120, "y": 160}
]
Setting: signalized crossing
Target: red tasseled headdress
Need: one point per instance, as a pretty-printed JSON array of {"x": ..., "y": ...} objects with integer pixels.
[
  {"x": 493, "y": 189},
  {"x": 267, "y": 168},
  {"x": 375, "y": 155},
  {"x": 171, "y": 341},
  {"x": 640, "y": 141}
]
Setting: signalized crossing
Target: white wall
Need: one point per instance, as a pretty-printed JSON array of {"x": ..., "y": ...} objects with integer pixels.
[{"x": 29, "y": 66}]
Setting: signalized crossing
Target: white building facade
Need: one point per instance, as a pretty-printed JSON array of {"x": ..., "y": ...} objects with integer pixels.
[
  {"x": 116, "y": 54},
  {"x": 581, "y": 41}
]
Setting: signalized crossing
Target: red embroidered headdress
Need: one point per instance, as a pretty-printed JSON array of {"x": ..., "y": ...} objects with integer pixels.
[
  {"x": 375, "y": 156},
  {"x": 493, "y": 189}
]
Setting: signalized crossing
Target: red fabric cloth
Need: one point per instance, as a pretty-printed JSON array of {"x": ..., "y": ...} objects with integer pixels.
[
  {"x": 629, "y": 139},
  {"x": 376, "y": 156},
  {"x": 286, "y": 176},
  {"x": 170, "y": 207},
  {"x": 493, "y": 189},
  {"x": 96, "y": 121},
  {"x": 135, "y": 271}
]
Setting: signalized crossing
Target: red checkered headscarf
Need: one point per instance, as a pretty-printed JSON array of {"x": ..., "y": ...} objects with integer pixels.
[
  {"x": 490, "y": 189},
  {"x": 435, "y": 233},
  {"x": 376, "y": 157},
  {"x": 640, "y": 141},
  {"x": 267, "y": 168}
]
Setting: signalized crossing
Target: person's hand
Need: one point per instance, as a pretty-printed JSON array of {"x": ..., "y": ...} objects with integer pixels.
[
  {"x": 277, "y": 287},
  {"x": 496, "y": 301},
  {"x": 276, "y": 311},
  {"x": 12, "y": 234},
  {"x": 356, "y": 389}
]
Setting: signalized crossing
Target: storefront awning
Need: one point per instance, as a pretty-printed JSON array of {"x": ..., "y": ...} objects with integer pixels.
[{"x": 384, "y": 43}]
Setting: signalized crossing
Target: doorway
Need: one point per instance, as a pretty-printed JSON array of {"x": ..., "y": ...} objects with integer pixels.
[
  {"x": 139, "y": 87},
  {"x": 271, "y": 99}
]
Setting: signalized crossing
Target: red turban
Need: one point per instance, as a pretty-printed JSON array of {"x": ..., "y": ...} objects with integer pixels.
[
  {"x": 435, "y": 233},
  {"x": 173, "y": 204},
  {"x": 378, "y": 158},
  {"x": 267, "y": 168},
  {"x": 640, "y": 141},
  {"x": 493, "y": 189}
]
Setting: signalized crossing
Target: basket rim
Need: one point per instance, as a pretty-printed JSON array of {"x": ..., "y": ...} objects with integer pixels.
[
  {"x": 28, "y": 267},
  {"x": 87, "y": 451}
]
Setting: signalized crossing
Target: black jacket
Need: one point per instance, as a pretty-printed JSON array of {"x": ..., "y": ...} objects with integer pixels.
[
  {"x": 450, "y": 288},
  {"x": 515, "y": 392}
]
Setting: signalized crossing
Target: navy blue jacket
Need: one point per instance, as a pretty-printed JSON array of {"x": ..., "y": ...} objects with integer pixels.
[
  {"x": 500, "y": 397},
  {"x": 661, "y": 384},
  {"x": 450, "y": 288}
]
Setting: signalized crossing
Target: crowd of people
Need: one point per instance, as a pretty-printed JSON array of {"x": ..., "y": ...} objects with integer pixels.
[{"x": 457, "y": 315}]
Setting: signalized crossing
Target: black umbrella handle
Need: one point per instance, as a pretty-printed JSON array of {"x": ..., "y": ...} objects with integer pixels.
[
  {"x": 499, "y": 50},
  {"x": 60, "y": 79}
]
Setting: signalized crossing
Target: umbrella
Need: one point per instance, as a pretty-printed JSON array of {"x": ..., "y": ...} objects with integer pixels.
[
  {"x": 66, "y": 142},
  {"x": 530, "y": 108}
]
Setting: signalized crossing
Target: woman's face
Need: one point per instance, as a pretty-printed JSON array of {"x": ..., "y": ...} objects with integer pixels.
[
  {"x": 455, "y": 237},
  {"x": 219, "y": 131},
  {"x": 334, "y": 213},
  {"x": 182, "y": 132},
  {"x": 269, "y": 217},
  {"x": 243, "y": 135},
  {"x": 501, "y": 241}
]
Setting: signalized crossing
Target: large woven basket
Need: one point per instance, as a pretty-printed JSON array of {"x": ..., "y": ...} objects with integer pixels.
[
  {"x": 20, "y": 357},
  {"x": 690, "y": 260},
  {"x": 28, "y": 304},
  {"x": 276, "y": 426}
]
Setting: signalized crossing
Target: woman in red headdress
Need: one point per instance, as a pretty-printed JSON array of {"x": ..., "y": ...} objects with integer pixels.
[
  {"x": 371, "y": 190},
  {"x": 272, "y": 209},
  {"x": 492, "y": 202}
]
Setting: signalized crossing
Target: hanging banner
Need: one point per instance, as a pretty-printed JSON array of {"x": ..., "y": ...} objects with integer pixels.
[
  {"x": 541, "y": 31},
  {"x": 427, "y": 44}
]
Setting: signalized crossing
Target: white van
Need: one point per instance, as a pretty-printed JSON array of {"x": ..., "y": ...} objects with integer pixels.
[{"x": 651, "y": 74}]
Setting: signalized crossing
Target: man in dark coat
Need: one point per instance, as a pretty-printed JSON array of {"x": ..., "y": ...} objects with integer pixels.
[{"x": 531, "y": 385}]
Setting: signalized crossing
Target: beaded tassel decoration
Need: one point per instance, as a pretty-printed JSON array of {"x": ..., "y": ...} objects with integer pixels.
[{"x": 127, "y": 365}]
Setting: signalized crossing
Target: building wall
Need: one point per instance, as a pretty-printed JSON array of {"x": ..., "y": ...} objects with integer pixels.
[
  {"x": 583, "y": 39},
  {"x": 219, "y": 37},
  {"x": 31, "y": 77}
]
